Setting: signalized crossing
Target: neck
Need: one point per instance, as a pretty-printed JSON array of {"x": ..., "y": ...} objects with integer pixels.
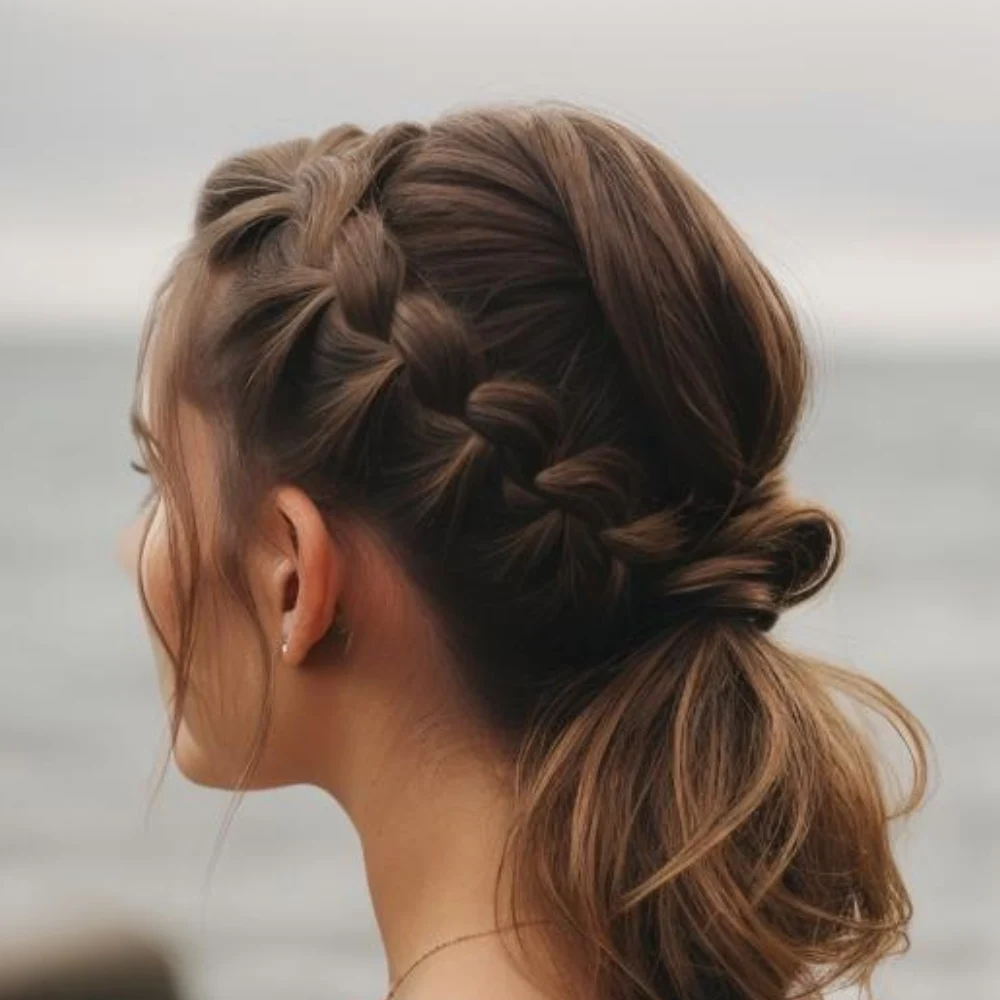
[
  {"x": 432, "y": 846},
  {"x": 430, "y": 795}
]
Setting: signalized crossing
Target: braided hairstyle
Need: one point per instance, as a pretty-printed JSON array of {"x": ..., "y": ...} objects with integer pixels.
[{"x": 526, "y": 346}]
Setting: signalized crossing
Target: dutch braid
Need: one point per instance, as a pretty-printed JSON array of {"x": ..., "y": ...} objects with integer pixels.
[
  {"x": 381, "y": 323},
  {"x": 477, "y": 422}
]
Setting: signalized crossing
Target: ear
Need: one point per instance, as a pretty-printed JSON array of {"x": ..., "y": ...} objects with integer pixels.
[{"x": 307, "y": 576}]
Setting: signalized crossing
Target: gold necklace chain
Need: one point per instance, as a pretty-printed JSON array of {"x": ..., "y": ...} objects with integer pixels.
[{"x": 444, "y": 944}]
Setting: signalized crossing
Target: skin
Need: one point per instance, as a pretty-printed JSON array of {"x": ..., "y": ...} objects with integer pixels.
[{"x": 379, "y": 725}]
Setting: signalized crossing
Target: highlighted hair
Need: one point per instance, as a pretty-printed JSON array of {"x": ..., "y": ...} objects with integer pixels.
[{"x": 529, "y": 348}]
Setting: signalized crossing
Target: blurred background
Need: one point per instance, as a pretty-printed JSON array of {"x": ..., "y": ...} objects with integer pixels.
[{"x": 856, "y": 144}]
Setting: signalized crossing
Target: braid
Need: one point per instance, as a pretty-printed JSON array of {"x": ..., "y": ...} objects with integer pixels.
[
  {"x": 476, "y": 428},
  {"x": 569, "y": 525},
  {"x": 395, "y": 325}
]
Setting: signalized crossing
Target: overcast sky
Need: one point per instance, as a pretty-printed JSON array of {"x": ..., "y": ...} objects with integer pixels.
[{"x": 857, "y": 144}]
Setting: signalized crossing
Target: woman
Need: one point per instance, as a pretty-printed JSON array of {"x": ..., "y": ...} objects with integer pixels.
[{"x": 467, "y": 444}]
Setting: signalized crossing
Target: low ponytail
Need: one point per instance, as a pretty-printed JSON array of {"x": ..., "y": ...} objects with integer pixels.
[{"x": 713, "y": 826}]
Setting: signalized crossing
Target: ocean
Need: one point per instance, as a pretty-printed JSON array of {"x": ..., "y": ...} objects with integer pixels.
[{"x": 905, "y": 450}]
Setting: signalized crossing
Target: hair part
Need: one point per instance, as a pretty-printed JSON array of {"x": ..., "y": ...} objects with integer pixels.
[{"x": 528, "y": 348}]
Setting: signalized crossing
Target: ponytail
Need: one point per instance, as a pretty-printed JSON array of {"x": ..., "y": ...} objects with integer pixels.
[{"x": 714, "y": 826}]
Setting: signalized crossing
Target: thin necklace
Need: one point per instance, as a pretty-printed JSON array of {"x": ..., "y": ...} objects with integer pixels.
[{"x": 444, "y": 944}]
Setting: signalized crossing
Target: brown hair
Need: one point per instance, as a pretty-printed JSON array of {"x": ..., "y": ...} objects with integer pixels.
[{"x": 529, "y": 348}]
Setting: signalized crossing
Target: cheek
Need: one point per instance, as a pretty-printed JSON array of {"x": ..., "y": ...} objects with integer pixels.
[
  {"x": 222, "y": 701},
  {"x": 127, "y": 550},
  {"x": 157, "y": 586},
  {"x": 226, "y": 689}
]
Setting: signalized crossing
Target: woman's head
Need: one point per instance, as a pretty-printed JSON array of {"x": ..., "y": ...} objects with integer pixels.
[{"x": 498, "y": 407}]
